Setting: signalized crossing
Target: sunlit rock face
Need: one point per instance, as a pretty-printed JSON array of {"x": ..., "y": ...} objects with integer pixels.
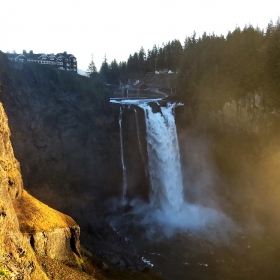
[
  {"x": 27, "y": 226},
  {"x": 58, "y": 243},
  {"x": 49, "y": 232},
  {"x": 9, "y": 166},
  {"x": 16, "y": 256}
]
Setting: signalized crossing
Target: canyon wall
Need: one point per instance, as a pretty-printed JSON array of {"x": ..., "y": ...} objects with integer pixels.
[
  {"x": 65, "y": 134},
  {"x": 17, "y": 257},
  {"x": 230, "y": 157},
  {"x": 26, "y": 230}
]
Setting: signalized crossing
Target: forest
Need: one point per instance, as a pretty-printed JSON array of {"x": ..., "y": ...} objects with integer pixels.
[{"x": 209, "y": 69}]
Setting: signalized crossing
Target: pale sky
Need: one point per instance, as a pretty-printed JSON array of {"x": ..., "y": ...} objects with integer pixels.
[{"x": 120, "y": 27}]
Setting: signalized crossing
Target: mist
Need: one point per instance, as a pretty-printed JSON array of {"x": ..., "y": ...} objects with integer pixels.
[{"x": 181, "y": 197}]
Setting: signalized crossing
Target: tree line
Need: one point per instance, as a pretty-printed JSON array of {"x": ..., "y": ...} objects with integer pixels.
[
  {"x": 217, "y": 68},
  {"x": 166, "y": 57},
  {"x": 210, "y": 68}
]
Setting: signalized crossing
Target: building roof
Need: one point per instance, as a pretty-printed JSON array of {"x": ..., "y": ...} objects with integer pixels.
[
  {"x": 21, "y": 56},
  {"x": 36, "y": 56}
]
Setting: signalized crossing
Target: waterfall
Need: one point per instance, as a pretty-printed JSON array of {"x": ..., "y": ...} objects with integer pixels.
[
  {"x": 164, "y": 158},
  {"x": 122, "y": 155},
  {"x": 167, "y": 211}
]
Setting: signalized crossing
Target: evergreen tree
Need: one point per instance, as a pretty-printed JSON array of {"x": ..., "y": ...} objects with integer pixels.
[
  {"x": 177, "y": 51},
  {"x": 141, "y": 61},
  {"x": 161, "y": 59},
  {"x": 104, "y": 70},
  {"x": 113, "y": 75},
  {"x": 123, "y": 72},
  {"x": 92, "y": 69}
]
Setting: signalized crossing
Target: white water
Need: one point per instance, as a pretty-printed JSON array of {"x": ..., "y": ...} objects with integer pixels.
[
  {"x": 167, "y": 210},
  {"x": 167, "y": 207},
  {"x": 164, "y": 158},
  {"x": 122, "y": 156}
]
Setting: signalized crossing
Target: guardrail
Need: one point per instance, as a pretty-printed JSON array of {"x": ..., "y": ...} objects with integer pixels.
[{"x": 137, "y": 94}]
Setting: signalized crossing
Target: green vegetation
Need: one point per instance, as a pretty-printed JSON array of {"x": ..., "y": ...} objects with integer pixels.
[
  {"x": 215, "y": 69},
  {"x": 211, "y": 69},
  {"x": 167, "y": 56},
  {"x": 4, "y": 272},
  {"x": 92, "y": 70}
]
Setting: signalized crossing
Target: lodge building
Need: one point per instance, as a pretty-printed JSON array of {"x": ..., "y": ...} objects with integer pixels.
[{"x": 62, "y": 61}]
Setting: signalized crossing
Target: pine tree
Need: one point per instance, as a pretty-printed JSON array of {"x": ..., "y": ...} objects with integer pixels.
[
  {"x": 92, "y": 68},
  {"x": 104, "y": 70},
  {"x": 114, "y": 73}
]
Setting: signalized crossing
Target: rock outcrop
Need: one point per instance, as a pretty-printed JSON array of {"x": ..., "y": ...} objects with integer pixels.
[
  {"x": 17, "y": 259},
  {"x": 27, "y": 226},
  {"x": 248, "y": 115},
  {"x": 49, "y": 232}
]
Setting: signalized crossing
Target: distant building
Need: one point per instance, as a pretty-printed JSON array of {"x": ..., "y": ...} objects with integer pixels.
[{"x": 62, "y": 61}]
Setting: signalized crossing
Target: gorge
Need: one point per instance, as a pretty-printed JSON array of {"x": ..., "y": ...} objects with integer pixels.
[{"x": 195, "y": 194}]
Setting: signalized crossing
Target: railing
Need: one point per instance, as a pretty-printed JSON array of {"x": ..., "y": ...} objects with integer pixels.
[{"x": 126, "y": 93}]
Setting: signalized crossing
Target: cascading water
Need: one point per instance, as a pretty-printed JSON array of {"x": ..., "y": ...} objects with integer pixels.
[
  {"x": 122, "y": 155},
  {"x": 167, "y": 209},
  {"x": 167, "y": 215},
  {"x": 164, "y": 158},
  {"x": 167, "y": 206}
]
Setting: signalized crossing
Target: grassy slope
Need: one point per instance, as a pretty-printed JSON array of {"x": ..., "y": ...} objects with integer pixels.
[{"x": 34, "y": 215}]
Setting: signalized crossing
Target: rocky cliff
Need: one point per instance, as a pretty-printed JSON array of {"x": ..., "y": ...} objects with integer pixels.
[
  {"x": 230, "y": 154},
  {"x": 250, "y": 114},
  {"x": 37, "y": 241},
  {"x": 66, "y": 136},
  {"x": 27, "y": 226},
  {"x": 17, "y": 257},
  {"x": 63, "y": 134}
]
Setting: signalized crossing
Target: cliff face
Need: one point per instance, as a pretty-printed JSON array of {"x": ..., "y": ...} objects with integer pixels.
[
  {"x": 231, "y": 154},
  {"x": 49, "y": 232},
  {"x": 29, "y": 228},
  {"x": 48, "y": 125},
  {"x": 63, "y": 135},
  {"x": 17, "y": 258},
  {"x": 248, "y": 114},
  {"x": 66, "y": 136}
]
